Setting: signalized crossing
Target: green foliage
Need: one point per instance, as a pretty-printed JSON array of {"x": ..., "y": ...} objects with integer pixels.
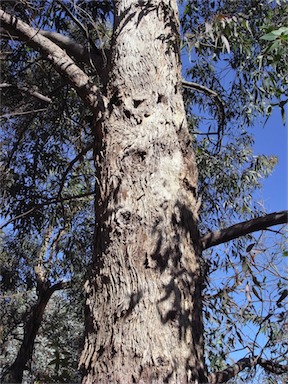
[
  {"x": 245, "y": 306},
  {"x": 226, "y": 39},
  {"x": 239, "y": 50},
  {"x": 60, "y": 341}
]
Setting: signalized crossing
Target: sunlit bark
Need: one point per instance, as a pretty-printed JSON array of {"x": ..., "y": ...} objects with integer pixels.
[{"x": 144, "y": 315}]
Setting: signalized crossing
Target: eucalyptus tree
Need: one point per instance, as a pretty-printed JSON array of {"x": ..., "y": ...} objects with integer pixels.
[{"x": 93, "y": 110}]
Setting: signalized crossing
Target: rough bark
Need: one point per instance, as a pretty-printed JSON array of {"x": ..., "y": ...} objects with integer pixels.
[{"x": 144, "y": 313}]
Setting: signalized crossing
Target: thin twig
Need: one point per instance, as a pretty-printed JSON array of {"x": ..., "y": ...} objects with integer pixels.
[
  {"x": 53, "y": 200},
  {"x": 8, "y": 115},
  {"x": 31, "y": 92},
  {"x": 217, "y": 100},
  {"x": 71, "y": 164}
]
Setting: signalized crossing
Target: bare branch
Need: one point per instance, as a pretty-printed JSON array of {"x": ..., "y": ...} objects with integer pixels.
[
  {"x": 200, "y": 88},
  {"x": 216, "y": 99},
  {"x": 21, "y": 113},
  {"x": 272, "y": 367},
  {"x": 87, "y": 90},
  {"x": 249, "y": 362},
  {"x": 231, "y": 371},
  {"x": 74, "y": 49},
  {"x": 71, "y": 164},
  {"x": 78, "y": 51},
  {"x": 31, "y": 92},
  {"x": 244, "y": 228}
]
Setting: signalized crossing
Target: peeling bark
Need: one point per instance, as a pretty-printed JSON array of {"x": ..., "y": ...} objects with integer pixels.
[{"x": 144, "y": 312}]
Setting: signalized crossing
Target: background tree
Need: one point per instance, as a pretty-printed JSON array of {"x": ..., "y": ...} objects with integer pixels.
[{"x": 48, "y": 172}]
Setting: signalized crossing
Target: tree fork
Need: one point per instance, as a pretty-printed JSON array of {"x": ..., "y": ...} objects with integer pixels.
[{"x": 144, "y": 308}]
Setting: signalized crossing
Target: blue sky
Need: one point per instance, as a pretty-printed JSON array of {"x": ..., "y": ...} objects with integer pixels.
[{"x": 272, "y": 140}]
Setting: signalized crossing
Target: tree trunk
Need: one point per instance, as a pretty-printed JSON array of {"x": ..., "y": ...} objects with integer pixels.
[
  {"x": 15, "y": 372},
  {"x": 144, "y": 312}
]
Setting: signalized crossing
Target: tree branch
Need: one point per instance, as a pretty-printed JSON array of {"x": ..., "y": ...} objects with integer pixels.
[
  {"x": 30, "y": 91},
  {"x": 249, "y": 362},
  {"x": 74, "y": 49},
  {"x": 71, "y": 164},
  {"x": 217, "y": 100},
  {"x": 242, "y": 229},
  {"x": 78, "y": 51},
  {"x": 53, "y": 200},
  {"x": 96, "y": 57},
  {"x": 231, "y": 371},
  {"x": 21, "y": 113},
  {"x": 201, "y": 88},
  {"x": 61, "y": 61},
  {"x": 31, "y": 328},
  {"x": 273, "y": 367}
]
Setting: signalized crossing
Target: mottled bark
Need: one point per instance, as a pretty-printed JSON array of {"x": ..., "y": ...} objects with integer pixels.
[{"x": 144, "y": 313}]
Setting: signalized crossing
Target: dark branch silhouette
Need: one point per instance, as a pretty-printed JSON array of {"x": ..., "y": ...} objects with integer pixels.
[
  {"x": 243, "y": 228},
  {"x": 31, "y": 327},
  {"x": 249, "y": 362},
  {"x": 218, "y": 102},
  {"x": 71, "y": 164},
  {"x": 53, "y": 200}
]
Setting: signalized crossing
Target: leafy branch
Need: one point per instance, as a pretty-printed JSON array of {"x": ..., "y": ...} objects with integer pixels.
[{"x": 53, "y": 200}]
